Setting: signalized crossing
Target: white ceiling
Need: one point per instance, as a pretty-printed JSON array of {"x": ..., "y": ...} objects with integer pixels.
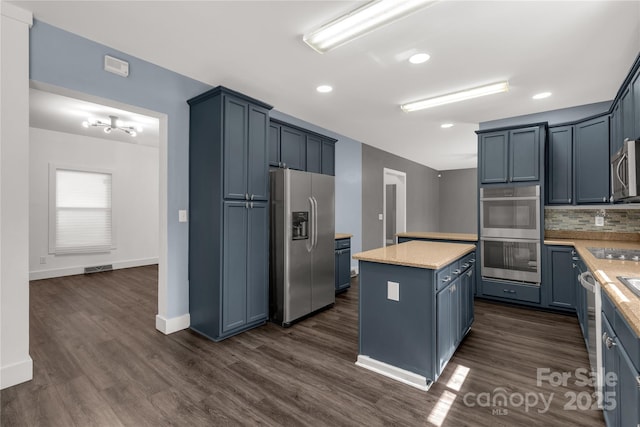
[
  {"x": 579, "y": 50},
  {"x": 64, "y": 114}
]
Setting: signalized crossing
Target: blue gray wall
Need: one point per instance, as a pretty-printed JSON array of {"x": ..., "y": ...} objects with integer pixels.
[{"x": 64, "y": 59}]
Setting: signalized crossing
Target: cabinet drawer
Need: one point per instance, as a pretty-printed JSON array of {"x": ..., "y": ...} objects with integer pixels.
[
  {"x": 443, "y": 277},
  {"x": 455, "y": 270},
  {"x": 511, "y": 291},
  {"x": 466, "y": 262},
  {"x": 343, "y": 243}
]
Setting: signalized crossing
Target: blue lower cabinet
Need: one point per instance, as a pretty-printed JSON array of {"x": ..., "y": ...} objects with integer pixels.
[
  {"x": 511, "y": 291},
  {"x": 559, "y": 286},
  {"x": 343, "y": 265},
  {"x": 447, "y": 330}
]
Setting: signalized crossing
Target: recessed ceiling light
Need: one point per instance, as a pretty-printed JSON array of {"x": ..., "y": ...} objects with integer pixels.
[
  {"x": 324, "y": 88},
  {"x": 456, "y": 97},
  {"x": 541, "y": 95},
  {"x": 419, "y": 58},
  {"x": 361, "y": 21},
  {"x": 446, "y": 125}
]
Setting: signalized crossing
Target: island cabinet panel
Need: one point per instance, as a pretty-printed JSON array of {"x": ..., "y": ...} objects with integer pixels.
[
  {"x": 399, "y": 333},
  {"x": 448, "y": 333}
]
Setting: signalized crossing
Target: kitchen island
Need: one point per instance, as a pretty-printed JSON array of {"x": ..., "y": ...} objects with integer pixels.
[{"x": 415, "y": 307}]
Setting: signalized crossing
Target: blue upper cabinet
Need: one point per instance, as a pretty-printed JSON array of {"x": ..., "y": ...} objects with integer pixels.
[
  {"x": 628, "y": 125},
  {"x": 510, "y": 155},
  {"x": 493, "y": 157},
  {"x": 635, "y": 88},
  {"x": 314, "y": 154},
  {"x": 292, "y": 148},
  {"x": 560, "y": 165},
  {"x": 591, "y": 161},
  {"x": 524, "y": 154},
  {"x": 257, "y": 146},
  {"x": 615, "y": 129},
  {"x": 296, "y": 148}
]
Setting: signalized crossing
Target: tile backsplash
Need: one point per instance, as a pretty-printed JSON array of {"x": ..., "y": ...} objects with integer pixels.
[{"x": 615, "y": 220}]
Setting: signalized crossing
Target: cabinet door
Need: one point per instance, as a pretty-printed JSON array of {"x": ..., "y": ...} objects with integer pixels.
[
  {"x": 561, "y": 288},
  {"x": 344, "y": 267},
  {"x": 463, "y": 312},
  {"x": 328, "y": 158},
  {"x": 628, "y": 394},
  {"x": 615, "y": 140},
  {"x": 234, "y": 270},
  {"x": 635, "y": 87},
  {"x": 591, "y": 154},
  {"x": 292, "y": 150},
  {"x": 524, "y": 154},
  {"x": 235, "y": 148},
  {"x": 274, "y": 145},
  {"x": 337, "y": 269},
  {"x": 258, "y": 262},
  {"x": 493, "y": 157},
  {"x": 610, "y": 380},
  {"x": 314, "y": 154},
  {"x": 627, "y": 115},
  {"x": 560, "y": 180},
  {"x": 258, "y": 166},
  {"x": 445, "y": 331}
]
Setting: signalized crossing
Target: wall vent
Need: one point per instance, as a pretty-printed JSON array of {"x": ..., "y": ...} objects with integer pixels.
[
  {"x": 116, "y": 66},
  {"x": 98, "y": 268}
]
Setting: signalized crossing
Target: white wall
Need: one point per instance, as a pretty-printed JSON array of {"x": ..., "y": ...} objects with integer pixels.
[
  {"x": 16, "y": 365},
  {"x": 134, "y": 198}
]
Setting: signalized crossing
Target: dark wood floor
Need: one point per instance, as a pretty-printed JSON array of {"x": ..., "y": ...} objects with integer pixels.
[{"x": 98, "y": 360}]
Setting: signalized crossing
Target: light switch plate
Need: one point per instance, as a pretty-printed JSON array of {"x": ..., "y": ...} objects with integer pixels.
[
  {"x": 182, "y": 215},
  {"x": 393, "y": 291},
  {"x": 599, "y": 221}
]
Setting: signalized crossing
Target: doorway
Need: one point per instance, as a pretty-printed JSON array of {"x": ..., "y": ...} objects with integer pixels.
[{"x": 394, "y": 205}]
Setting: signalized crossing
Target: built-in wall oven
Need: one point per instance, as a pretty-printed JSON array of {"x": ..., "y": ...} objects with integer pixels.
[{"x": 510, "y": 233}]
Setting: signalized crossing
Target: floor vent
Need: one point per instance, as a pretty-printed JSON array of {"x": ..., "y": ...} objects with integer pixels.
[{"x": 98, "y": 268}]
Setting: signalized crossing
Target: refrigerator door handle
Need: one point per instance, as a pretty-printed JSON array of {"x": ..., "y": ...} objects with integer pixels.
[
  {"x": 311, "y": 228},
  {"x": 315, "y": 222}
]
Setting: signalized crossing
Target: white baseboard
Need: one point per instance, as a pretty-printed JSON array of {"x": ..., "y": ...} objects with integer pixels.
[
  {"x": 174, "y": 324},
  {"x": 70, "y": 271},
  {"x": 16, "y": 373},
  {"x": 398, "y": 374}
]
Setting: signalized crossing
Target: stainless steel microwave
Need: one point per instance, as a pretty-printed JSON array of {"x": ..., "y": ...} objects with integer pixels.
[{"x": 625, "y": 173}]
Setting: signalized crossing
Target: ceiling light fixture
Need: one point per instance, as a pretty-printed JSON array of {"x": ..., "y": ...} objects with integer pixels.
[
  {"x": 419, "y": 58},
  {"x": 324, "y": 88},
  {"x": 446, "y": 125},
  {"x": 541, "y": 95},
  {"x": 456, "y": 97},
  {"x": 115, "y": 123},
  {"x": 361, "y": 21}
]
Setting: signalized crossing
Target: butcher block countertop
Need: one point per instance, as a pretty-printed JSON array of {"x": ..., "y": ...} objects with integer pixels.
[
  {"x": 606, "y": 272},
  {"x": 429, "y": 255},
  {"x": 466, "y": 237},
  {"x": 343, "y": 236}
]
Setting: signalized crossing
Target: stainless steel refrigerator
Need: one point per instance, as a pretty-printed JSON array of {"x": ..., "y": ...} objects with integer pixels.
[{"x": 302, "y": 244}]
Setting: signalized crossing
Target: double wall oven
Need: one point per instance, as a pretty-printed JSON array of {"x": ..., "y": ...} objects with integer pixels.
[{"x": 510, "y": 233}]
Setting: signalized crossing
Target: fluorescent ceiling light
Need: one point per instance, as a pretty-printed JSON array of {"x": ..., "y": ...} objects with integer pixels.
[
  {"x": 419, "y": 58},
  {"x": 456, "y": 97},
  {"x": 324, "y": 88},
  {"x": 541, "y": 95},
  {"x": 361, "y": 21}
]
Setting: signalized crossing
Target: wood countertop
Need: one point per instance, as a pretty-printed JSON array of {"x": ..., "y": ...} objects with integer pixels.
[
  {"x": 343, "y": 236},
  {"x": 440, "y": 236},
  {"x": 429, "y": 255},
  {"x": 606, "y": 272}
]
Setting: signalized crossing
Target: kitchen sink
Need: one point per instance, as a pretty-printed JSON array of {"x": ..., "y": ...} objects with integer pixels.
[{"x": 633, "y": 283}]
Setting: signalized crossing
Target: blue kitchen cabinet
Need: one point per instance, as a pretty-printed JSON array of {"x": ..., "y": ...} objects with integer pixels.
[
  {"x": 467, "y": 280},
  {"x": 628, "y": 115},
  {"x": 448, "y": 312},
  {"x": 510, "y": 155},
  {"x": 328, "y": 157},
  {"x": 635, "y": 88},
  {"x": 610, "y": 362},
  {"x": 343, "y": 264},
  {"x": 314, "y": 153},
  {"x": 560, "y": 165},
  {"x": 579, "y": 267},
  {"x": 274, "y": 145},
  {"x": 228, "y": 230},
  {"x": 560, "y": 287},
  {"x": 292, "y": 148},
  {"x": 591, "y": 161},
  {"x": 615, "y": 130}
]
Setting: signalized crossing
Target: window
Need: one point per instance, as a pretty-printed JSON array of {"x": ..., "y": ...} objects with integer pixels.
[{"x": 80, "y": 217}]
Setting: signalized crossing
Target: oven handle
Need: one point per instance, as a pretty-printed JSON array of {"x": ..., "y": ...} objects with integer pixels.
[
  {"x": 501, "y": 199},
  {"x": 591, "y": 287},
  {"x": 624, "y": 155}
]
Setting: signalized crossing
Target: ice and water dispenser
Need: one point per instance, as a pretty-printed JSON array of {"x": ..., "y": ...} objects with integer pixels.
[{"x": 299, "y": 222}]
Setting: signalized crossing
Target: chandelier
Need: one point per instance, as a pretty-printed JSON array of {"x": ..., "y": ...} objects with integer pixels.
[{"x": 115, "y": 123}]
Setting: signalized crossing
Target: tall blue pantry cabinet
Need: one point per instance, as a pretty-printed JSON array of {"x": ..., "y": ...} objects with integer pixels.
[{"x": 228, "y": 221}]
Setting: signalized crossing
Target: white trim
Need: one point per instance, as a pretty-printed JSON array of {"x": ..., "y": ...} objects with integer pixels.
[
  {"x": 16, "y": 373},
  {"x": 174, "y": 324},
  {"x": 401, "y": 197},
  {"x": 70, "y": 271},
  {"x": 11, "y": 11},
  {"x": 393, "y": 372}
]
